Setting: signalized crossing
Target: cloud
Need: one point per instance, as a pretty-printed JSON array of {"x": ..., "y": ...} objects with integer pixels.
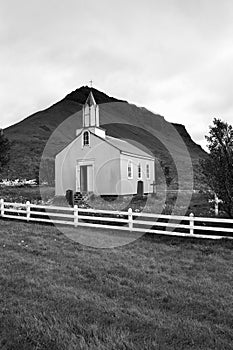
[{"x": 173, "y": 57}]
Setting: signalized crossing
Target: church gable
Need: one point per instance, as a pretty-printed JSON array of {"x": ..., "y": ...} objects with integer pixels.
[{"x": 87, "y": 142}]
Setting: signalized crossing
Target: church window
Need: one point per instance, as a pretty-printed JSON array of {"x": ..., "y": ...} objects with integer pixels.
[
  {"x": 86, "y": 138},
  {"x": 147, "y": 171},
  {"x": 130, "y": 170},
  {"x": 139, "y": 171}
]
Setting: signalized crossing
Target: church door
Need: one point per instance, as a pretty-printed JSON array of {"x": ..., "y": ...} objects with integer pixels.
[{"x": 84, "y": 177}]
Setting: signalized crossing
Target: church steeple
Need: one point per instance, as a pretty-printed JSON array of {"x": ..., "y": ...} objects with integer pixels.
[
  {"x": 90, "y": 112},
  {"x": 91, "y": 119}
]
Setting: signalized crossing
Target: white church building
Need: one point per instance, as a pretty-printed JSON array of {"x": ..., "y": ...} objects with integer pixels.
[{"x": 100, "y": 164}]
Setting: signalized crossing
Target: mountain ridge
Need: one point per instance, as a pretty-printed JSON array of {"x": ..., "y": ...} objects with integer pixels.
[{"x": 57, "y": 124}]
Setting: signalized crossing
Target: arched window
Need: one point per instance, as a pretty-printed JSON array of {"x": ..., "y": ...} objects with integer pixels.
[
  {"x": 130, "y": 170},
  {"x": 86, "y": 139},
  {"x": 139, "y": 171}
]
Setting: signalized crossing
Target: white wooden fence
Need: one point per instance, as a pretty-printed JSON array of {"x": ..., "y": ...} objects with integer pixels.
[{"x": 186, "y": 226}]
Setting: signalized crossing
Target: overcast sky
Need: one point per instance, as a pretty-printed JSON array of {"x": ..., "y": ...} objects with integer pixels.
[{"x": 174, "y": 57}]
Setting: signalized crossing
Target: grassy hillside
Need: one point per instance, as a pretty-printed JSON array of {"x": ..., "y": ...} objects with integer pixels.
[
  {"x": 156, "y": 293},
  {"x": 55, "y": 127}
]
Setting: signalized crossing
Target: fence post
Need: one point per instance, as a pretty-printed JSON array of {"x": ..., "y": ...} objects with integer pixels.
[
  {"x": 130, "y": 219},
  {"x": 191, "y": 223},
  {"x": 75, "y": 215},
  {"x": 216, "y": 201},
  {"x": 28, "y": 210},
  {"x": 2, "y": 206}
]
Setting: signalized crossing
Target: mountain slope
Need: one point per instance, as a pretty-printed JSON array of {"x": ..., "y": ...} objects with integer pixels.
[{"x": 50, "y": 130}]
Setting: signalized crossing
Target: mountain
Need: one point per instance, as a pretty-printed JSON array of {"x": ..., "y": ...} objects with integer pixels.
[{"x": 47, "y": 132}]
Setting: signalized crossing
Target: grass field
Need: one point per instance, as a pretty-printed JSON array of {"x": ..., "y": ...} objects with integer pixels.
[
  {"x": 156, "y": 293},
  {"x": 24, "y": 193}
]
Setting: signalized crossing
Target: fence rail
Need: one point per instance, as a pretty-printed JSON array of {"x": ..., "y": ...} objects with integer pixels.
[{"x": 175, "y": 225}]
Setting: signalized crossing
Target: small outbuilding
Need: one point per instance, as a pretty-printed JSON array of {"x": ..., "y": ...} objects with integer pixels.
[{"x": 100, "y": 164}]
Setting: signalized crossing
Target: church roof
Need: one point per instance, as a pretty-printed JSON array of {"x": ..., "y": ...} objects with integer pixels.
[
  {"x": 90, "y": 100},
  {"x": 127, "y": 147},
  {"x": 121, "y": 145}
]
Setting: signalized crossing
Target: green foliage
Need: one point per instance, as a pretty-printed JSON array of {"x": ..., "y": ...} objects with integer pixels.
[
  {"x": 218, "y": 167},
  {"x": 4, "y": 151},
  {"x": 167, "y": 172},
  {"x": 47, "y": 171}
]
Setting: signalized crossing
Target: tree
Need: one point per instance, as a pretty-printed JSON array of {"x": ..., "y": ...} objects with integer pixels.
[
  {"x": 167, "y": 173},
  {"x": 218, "y": 167},
  {"x": 4, "y": 151}
]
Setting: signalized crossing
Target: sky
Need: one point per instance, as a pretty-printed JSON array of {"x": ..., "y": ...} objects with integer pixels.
[{"x": 174, "y": 57}]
